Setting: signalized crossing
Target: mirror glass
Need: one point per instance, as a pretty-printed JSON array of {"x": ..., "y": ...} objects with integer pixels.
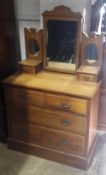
[
  {"x": 33, "y": 47},
  {"x": 61, "y": 39},
  {"x": 91, "y": 53}
]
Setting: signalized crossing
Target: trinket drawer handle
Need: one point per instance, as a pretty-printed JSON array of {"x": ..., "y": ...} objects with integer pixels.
[
  {"x": 66, "y": 122},
  {"x": 86, "y": 78},
  {"x": 24, "y": 98},
  {"x": 64, "y": 142},
  {"x": 64, "y": 106}
]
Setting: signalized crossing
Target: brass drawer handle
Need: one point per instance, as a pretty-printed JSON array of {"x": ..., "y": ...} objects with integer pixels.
[
  {"x": 65, "y": 107},
  {"x": 64, "y": 142},
  {"x": 66, "y": 122},
  {"x": 23, "y": 97}
]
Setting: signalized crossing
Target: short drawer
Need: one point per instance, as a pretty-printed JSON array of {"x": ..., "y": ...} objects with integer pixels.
[
  {"x": 67, "y": 103},
  {"x": 87, "y": 77},
  {"x": 26, "y": 69},
  {"x": 61, "y": 141},
  {"x": 58, "y": 120},
  {"x": 25, "y": 96}
]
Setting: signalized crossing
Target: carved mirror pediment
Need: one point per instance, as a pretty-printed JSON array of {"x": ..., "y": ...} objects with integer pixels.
[{"x": 61, "y": 39}]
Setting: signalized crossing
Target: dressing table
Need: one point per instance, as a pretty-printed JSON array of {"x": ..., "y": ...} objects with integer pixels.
[{"x": 50, "y": 112}]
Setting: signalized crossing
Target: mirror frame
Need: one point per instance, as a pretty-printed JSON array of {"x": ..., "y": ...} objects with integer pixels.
[
  {"x": 61, "y": 13},
  {"x": 33, "y": 34},
  {"x": 91, "y": 52},
  {"x": 98, "y": 42},
  {"x": 32, "y": 46}
]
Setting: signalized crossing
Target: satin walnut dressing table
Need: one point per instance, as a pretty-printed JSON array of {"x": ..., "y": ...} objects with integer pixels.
[{"x": 51, "y": 113}]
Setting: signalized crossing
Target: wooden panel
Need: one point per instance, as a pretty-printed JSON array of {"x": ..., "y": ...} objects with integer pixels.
[
  {"x": 62, "y": 141},
  {"x": 25, "y": 96},
  {"x": 104, "y": 67},
  {"x": 102, "y": 112},
  {"x": 59, "y": 120},
  {"x": 67, "y": 103},
  {"x": 92, "y": 121}
]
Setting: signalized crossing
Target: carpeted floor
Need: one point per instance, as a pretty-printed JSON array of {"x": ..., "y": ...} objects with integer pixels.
[{"x": 16, "y": 163}]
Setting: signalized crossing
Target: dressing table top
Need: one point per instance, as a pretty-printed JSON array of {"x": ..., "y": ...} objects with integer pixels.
[{"x": 54, "y": 82}]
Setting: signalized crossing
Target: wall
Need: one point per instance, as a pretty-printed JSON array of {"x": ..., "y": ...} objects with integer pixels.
[
  {"x": 75, "y": 5},
  {"x": 93, "y": 2},
  {"x": 28, "y": 15},
  {"x": 87, "y": 18}
]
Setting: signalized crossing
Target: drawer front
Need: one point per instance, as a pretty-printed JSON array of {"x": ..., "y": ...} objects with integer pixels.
[
  {"x": 67, "y": 103},
  {"x": 26, "y": 69},
  {"x": 57, "y": 120},
  {"x": 25, "y": 96},
  {"x": 87, "y": 77},
  {"x": 61, "y": 141}
]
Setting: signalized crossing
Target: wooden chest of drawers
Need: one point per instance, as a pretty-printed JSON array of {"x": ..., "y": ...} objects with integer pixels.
[{"x": 52, "y": 125}]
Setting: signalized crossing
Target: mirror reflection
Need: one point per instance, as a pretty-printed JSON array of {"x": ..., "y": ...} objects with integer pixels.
[
  {"x": 61, "y": 41},
  {"x": 33, "y": 47},
  {"x": 90, "y": 53}
]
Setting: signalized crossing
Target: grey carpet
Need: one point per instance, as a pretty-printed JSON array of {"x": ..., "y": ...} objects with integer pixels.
[{"x": 16, "y": 163}]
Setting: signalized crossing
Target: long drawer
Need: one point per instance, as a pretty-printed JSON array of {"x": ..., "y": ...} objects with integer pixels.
[
  {"x": 59, "y": 120},
  {"x": 25, "y": 96},
  {"x": 42, "y": 136},
  {"x": 65, "y": 103}
]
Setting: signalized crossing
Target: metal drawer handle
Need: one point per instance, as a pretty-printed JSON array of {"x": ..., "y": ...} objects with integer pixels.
[
  {"x": 64, "y": 106},
  {"x": 86, "y": 78},
  {"x": 23, "y": 97},
  {"x": 66, "y": 122},
  {"x": 64, "y": 142}
]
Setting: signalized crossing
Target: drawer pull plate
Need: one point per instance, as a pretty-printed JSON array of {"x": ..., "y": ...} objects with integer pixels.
[
  {"x": 64, "y": 142},
  {"x": 24, "y": 98},
  {"x": 66, "y": 122},
  {"x": 86, "y": 78},
  {"x": 65, "y": 107}
]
